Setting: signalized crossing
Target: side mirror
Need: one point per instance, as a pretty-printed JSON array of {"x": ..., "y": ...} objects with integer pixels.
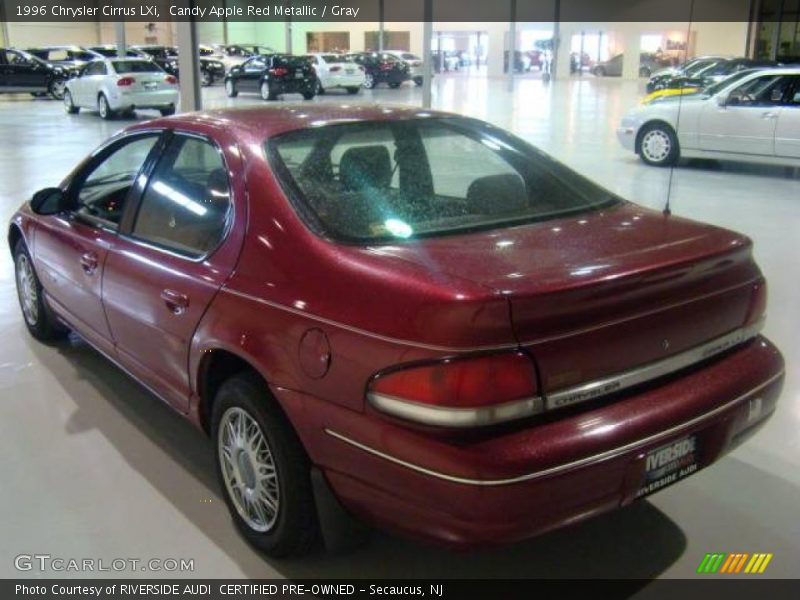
[{"x": 49, "y": 201}]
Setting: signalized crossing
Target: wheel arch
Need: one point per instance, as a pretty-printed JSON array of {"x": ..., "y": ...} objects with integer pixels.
[{"x": 14, "y": 236}]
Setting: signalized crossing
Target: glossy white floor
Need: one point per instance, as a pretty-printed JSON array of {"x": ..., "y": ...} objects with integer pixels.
[{"x": 94, "y": 466}]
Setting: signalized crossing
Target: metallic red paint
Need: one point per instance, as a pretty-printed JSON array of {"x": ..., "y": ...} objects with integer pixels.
[{"x": 585, "y": 296}]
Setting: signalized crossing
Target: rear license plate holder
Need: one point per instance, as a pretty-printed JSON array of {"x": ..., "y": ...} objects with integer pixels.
[{"x": 669, "y": 463}]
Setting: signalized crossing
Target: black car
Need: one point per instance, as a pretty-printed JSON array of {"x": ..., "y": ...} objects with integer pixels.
[
  {"x": 380, "y": 67},
  {"x": 166, "y": 57},
  {"x": 659, "y": 79},
  {"x": 272, "y": 76},
  {"x": 23, "y": 72},
  {"x": 713, "y": 73},
  {"x": 69, "y": 57}
]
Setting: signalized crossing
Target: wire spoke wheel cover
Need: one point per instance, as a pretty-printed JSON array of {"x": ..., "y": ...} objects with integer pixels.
[
  {"x": 248, "y": 469},
  {"x": 656, "y": 145},
  {"x": 26, "y": 288}
]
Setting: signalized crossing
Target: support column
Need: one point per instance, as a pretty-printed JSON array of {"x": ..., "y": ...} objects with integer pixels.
[
  {"x": 512, "y": 45},
  {"x": 563, "y": 48},
  {"x": 119, "y": 33},
  {"x": 288, "y": 34},
  {"x": 381, "y": 24},
  {"x": 427, "y": 70},
  {"x": 189, "y": 65},
  {"x": 633, "y": 49}
]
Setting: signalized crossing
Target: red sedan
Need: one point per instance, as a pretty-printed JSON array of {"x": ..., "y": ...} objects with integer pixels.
[{"x": 456, "y": 335}]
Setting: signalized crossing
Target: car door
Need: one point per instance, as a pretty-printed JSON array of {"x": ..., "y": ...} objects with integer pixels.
[
  {"x": 745, "y": 122},
  {"x": 172, "y": 257},
  {"x": 322, "y": 69},
  {"x": 252, "y": 70},
  {"x": 88, "y": 84},
  {"x": 787, "y": 131},
  {"x": 70, "y": 249},
  {"x": 4, "y": 70},
  {"x": 24, "y": 73}
]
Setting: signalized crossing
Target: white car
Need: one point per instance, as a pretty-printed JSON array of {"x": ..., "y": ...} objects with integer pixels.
[
  {"x": 115, "y": 85},
  {"x": 335, "y": 71},
  {"x": 414, "y": 62},
  {"x": 755, "y": 119}
]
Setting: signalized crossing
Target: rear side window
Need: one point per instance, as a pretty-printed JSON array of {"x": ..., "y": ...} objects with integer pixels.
[
  {"x": 187, "y": 203},
  {"x": 123, "y": 67},
  {"x": 384, "y": 181}
]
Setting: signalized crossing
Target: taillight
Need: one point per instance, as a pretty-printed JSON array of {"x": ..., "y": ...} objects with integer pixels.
[
  {"x": 460, "y": 392},
  {"x": 335, "y": 69},
  {"x": 171, "y": 79},
  {"x": 758, "y": 304},
  {"x": 279, "y": 71},
  {"x": 125, "y": 81}
]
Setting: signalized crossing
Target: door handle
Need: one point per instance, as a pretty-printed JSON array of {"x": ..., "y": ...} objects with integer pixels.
[
  {"x": 89, "y": 263},
  {"x": 175, "y": 301},
  {"x": 769, "y": 115}
]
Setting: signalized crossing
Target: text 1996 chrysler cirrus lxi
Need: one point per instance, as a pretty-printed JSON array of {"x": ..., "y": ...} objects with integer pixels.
[{"x": 415, "y": 314}]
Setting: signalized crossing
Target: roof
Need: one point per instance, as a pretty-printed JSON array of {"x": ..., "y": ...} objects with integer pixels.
[{"x": 261, "y": 122}]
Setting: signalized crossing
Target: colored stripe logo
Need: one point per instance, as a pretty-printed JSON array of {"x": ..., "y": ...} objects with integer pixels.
[{"x": 737, "y": 562}]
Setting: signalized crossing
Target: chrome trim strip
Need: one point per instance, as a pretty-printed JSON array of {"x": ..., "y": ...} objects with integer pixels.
[
  {"x": 439, "y": 416},
  {"x": 627, "y": 379},
  {"x": 600, "y": 457}
]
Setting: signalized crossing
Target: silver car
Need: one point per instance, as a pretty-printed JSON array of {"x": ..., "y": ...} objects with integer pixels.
[
  {"x": 414, "y": 62},
  {"x": 113, "y": 86}
]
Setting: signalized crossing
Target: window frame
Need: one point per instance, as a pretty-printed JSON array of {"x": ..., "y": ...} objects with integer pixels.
[
  {"x": 132, "y": 209},
  {"x": 74, "y": 184}
]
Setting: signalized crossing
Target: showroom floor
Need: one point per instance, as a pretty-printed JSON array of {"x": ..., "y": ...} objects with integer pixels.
[{"x": 94, "y": 466}]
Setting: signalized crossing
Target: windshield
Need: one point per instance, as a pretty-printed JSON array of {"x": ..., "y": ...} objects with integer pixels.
[
  {"x": 123, "y": 67},
  {"x": 385, "y": 181}
]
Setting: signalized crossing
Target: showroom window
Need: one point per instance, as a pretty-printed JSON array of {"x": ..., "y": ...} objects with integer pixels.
[
  {"x": 104, "y": 192},
  {"x": 187, "y": 204}
]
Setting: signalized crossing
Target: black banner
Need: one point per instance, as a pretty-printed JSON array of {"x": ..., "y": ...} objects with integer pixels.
[
  {"x": 732, "y": 588},
  {"x": 344, "y": 11}
]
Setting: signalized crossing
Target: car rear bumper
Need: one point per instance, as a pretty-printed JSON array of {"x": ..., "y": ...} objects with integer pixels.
[
  {"x": 159, "y": 99},
  {"x": 344, "y": 81},
  {"x": 517, "y": 482},
  {"x": 293, "y": 86}
]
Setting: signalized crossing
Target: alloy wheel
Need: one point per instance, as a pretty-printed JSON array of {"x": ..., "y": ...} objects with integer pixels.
[
  {"x": 369, "y": 81},
  {"x": 26, "y": 288},
  {"x": 102, "y": 107},
  {"x": 57, "y": 88},
  {"x": 656, "y": 145},
  {"x": 248, "y": 469}
]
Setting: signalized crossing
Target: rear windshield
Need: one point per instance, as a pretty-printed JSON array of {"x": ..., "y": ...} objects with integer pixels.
[
  {"x": 290, "y": 61},
  {"x": 135, "y": 66},
  {"x": 384, "y": 181},
  {"x": 332, "y": 58}
]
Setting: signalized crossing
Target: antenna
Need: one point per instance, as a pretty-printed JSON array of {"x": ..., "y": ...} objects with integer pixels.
[{"x": 667, "y": 207}]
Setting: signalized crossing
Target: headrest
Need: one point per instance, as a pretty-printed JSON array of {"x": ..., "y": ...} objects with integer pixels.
[
  {"x": 365, "y": 167},
  {"x": 497, "y": 195}
]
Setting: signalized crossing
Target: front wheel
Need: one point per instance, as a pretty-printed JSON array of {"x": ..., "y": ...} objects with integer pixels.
[
  {"x": 599, "y": 72},
  {"x": 658, "y": 145},
  {"x": 230, "y": 88},
  {"x": 38, "y": 319},
  {"x": 309, "y": 95},
  {"x": 206, "y": 79},
  {"x": 267, "y": 93},
  {"x": 418, "y": 81},
  {"x": 104, "y": 109},
  {"x": 57, "y": 88},
  {"x": 353, "y": 90},
  {"x": 394, "y": 85},
  {"x": 168, "y": 111},
  {"x": 318, "y": 88},
  {"x": 263, "y": 469},
  {"x": 69, "y": 105},
  {"x": 369, "y": 81}
]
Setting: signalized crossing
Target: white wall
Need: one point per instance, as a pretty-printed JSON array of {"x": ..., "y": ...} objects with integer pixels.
[{"x": 27, "y": 35}]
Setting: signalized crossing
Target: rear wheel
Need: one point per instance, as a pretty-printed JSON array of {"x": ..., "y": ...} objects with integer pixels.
[
  {"x": 206, "y": 78},
  {"x": 318, "y": 88},
  {"x": 103, "y": 108},
  {"x": 57, "y": 88},
  {"x": 38, "y": 318},
  {"x": 418, "y": 81},
  {"x": 267, "y": 93},
  {"x": 394, "y": 85},
  {"x": 353, "y": 90},
  {"x": 658, "y": 145},
  {"x": 263, "y": 469},
  {"x": 369, "y": 81},
  {"x": 599, "y": 71},
  {"x": 166, "y": 112},
  {"x": 309, "y": 95},
  {"x": 69, "y": 106},
  {"x": 230, "y": 88}
]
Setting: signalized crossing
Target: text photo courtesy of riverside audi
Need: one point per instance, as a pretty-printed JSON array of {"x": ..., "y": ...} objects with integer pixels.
[{"x": 390, "y": 298}]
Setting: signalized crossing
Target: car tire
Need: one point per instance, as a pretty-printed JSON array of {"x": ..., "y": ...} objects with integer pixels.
[
  {"x": 369, "y": 81},
  {"x": 599, "y": 72},
  {"x": 103, "y": 108},
  {"x": 167, "y": 112},
  {"x": 309, "y": 95},
  {"x": 57, "y": 88},
  {"x": 394, "y": 85},
  {"x": 206, "y": 79},
  {"x": 263, "y": 470},
  {"x": 353, "y": 90},
  {"x": 657, "y": 145},
  {"x": 69, "y": 105},
  {"x": 418, "y": 81},
  {"x": 644, "y": 72},
  {"x": 38, "y": 317},
  {"x": 318, "y": 89},
  {"x": 230, "y": 88}
]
